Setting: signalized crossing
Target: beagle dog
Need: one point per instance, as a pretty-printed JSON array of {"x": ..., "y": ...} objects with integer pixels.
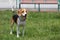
[{"x": 19, "y": 19}]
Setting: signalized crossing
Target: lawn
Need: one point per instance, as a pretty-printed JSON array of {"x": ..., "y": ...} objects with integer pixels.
[{"x": 39, "y": 26}]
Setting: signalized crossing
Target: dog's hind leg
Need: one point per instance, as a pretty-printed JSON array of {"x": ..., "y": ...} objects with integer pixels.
[
  {"x": 17, "y": 30},
  {"x": 12, "y": 23},
  {"x": 23, "y": 31}
]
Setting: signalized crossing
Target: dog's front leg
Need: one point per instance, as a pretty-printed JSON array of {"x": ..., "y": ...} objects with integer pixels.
[
  {"x": 23, "y": 30},
  {"x": 18, "y": 24}
]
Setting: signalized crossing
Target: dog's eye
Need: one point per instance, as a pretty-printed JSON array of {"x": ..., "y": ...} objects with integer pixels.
[{"x": 26, "y": 11}]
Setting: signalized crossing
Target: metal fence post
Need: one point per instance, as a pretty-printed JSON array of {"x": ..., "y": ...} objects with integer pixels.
[
  {"x": 19, "y": 4},
  {"x": 58, "y": 7},
  {"x": 38, "y": 7},
  {"x": 34, "y": 5},
  {"x": 16, "y": 4}
]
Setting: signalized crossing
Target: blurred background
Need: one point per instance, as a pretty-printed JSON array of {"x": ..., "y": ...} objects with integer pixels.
[{"x": 33, "y": 5}]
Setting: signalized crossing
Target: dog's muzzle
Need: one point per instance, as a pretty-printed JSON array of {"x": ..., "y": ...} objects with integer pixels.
[
  {"x": 24, "y": 17},
  {"x": 23, "y": 14}
]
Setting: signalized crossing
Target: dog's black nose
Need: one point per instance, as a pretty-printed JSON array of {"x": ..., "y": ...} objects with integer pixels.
[{"x": 25, "y": 15}]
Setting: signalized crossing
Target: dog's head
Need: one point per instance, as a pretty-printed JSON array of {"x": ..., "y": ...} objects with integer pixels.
[{"x": 22, "y": 12}]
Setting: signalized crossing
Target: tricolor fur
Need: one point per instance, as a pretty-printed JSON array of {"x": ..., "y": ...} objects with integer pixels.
[{"x": 19, "y": 19}]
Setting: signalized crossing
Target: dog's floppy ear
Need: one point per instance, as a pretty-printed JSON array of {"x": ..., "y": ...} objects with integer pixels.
[
  {"x": 26, "y": 11},
  {"x": 19, "y": 12}
]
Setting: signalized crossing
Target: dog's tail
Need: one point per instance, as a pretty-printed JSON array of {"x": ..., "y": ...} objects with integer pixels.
[{"x": 13, "y": 11}]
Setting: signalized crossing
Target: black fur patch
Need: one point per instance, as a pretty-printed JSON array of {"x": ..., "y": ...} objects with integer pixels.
[
  {"x": 15, "y": 18},
  {"x": 22, "y": 18}
]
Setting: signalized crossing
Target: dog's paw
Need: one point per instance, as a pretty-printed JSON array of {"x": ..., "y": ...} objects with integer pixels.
[
  {"x": 17, "y": 36},
  {"x": 10, "y": 32}
]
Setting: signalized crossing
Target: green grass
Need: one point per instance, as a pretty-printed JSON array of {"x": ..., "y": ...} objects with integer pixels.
[{"x": 39, "y": 26}]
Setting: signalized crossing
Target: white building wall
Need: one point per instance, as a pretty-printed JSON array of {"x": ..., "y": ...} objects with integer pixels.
[
  {"x": 41, "y": 5},
  {"x": 7, "y": 3}
]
